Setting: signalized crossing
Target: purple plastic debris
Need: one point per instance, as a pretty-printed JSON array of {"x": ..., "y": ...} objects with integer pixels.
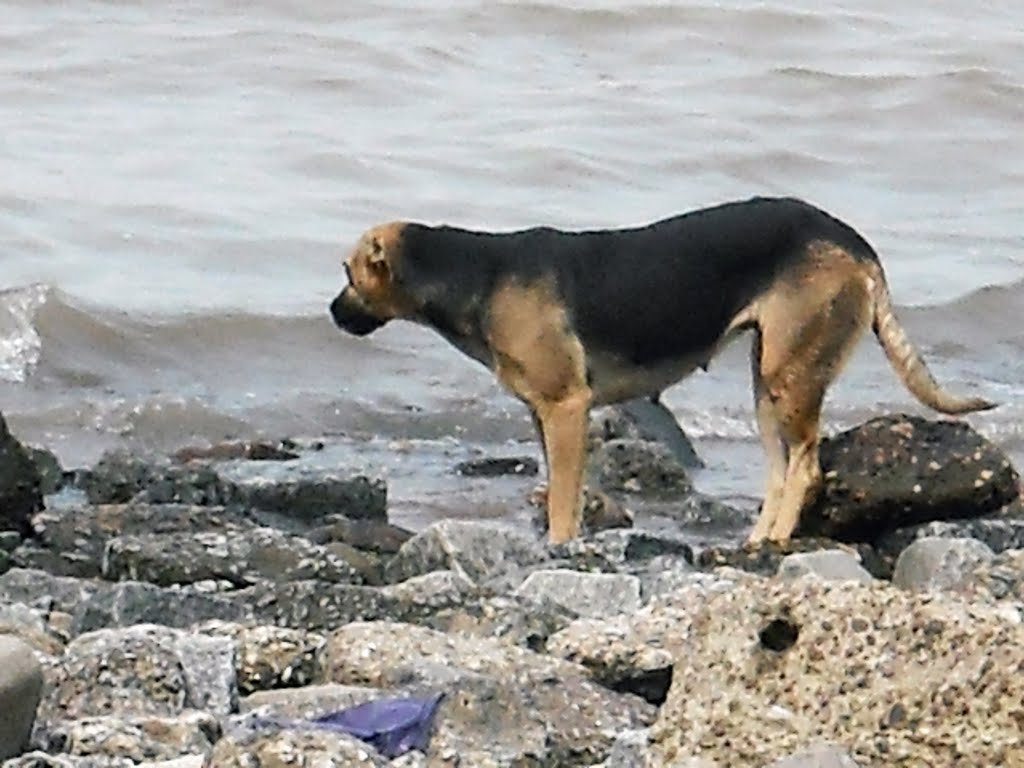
[{"x": 392, "y": 726}]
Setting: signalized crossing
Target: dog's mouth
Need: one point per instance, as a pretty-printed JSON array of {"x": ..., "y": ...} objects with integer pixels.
[{"x": 350, "y": 315}]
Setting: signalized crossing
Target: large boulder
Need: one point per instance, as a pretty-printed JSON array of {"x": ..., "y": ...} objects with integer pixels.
[
  {"x": 20, "y": 485},
  {"x": 505, "y": 705},
  {"x": 770, "y": 667},
  {"x": 899, "y": 470}
]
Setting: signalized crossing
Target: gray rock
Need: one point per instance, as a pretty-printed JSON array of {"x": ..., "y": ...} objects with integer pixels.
[
  {"x": 372, "y": 535},
  {"x": 587, "y": 594},
  {"x": 307, "y": 702},
  {"x": 898, "y": 470},
  {"x": 435, "y": 590},
  {"x": 142, "y": 670},
  {"x": 938, "y": 563},
  {"x": 621, "y": 550},
  {"x": 20, "y": 491},
  {"x": 40, "y": 759},
  {"x": 480, "y": 551},
  {"x": 270, "y": 657},
  {"x": 312, "y": 497},
  {"x": 21, "y": 685},
  {"x": 39, "y": 589},
  {"x": 131, "y": 602},
  {"x": 246, "y": 748},
  {"x": 136, "y": 738},
  {"x": 640, "y": 467},
  {"x": 631, "y": 749},
  {"x": 71, "y": 541},
  {"x": 999, "y": 532},
  {"x": 209, "y": 665},
  {"x": 617, "y": 662},
  {"x": 317, "y": 605},
  {"x": 766, "y": 558},
  {"x": 301, "y": 495},
  {"x": 241, "y": 556},
  {"x": 30, "y": 625},
  {"x": 828, "y": 564},
  {"x": 819, "y": 756},
  {"x": 512, "y": 706},
  {"x": 644, "y": 419}
]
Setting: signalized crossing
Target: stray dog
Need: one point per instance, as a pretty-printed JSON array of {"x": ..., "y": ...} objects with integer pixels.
[{"x": 569, "y": 320}]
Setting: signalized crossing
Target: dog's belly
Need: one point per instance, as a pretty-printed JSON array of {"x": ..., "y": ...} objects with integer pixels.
[{"x": 613, "y": 379}]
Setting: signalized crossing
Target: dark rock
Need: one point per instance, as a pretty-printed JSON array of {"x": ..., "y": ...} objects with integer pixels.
[
  {"x": 377, "y": 536},
  {"x": 240, "y": 556},
  {"x": 52, "y": 476},
  {"x": 130, "y": 602},
  {"x": 481, "y": 551},
  {"x": 117, "y": 477},
  {"x": 284, "y": 450},
  {"x": 618, "y": 551},
  {"x": 120, "y": 476},
  {"x": 313, "y": 499},
  {"x": 898, "y": 470},
  {"x": 495, "y": 466},
  {"x": 644, "y": 419},
  {"x": 639, "y": 467},
  {"x": 20, "y": 485},
  {"x": 71, "y": 542}
]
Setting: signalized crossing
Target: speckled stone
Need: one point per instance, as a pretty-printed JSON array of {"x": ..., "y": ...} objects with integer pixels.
[{"x": 896, "y": 678}]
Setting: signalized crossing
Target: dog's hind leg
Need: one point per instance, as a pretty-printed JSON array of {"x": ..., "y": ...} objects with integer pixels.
[
  {"x": 774, "y": 448},
  {"x": 809, "y": 326}
]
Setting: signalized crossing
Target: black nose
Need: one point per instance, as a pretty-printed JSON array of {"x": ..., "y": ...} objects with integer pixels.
[{"x": 350, "y": 316}]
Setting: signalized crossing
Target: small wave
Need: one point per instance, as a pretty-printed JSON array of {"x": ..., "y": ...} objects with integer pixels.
[{"x": 20, "y": 344}]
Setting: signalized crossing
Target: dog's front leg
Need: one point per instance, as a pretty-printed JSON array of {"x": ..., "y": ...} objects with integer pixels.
[{"x": 564, "y": 426}]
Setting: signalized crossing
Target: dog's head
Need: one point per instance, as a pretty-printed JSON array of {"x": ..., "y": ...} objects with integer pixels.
[{"x": 374, "y": 294}]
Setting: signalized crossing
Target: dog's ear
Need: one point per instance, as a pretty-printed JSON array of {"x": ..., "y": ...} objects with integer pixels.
[{"x": 378, "y": 259}]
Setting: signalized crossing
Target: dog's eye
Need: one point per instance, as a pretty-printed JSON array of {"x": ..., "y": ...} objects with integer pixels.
[{"x": 348, "y": 272}]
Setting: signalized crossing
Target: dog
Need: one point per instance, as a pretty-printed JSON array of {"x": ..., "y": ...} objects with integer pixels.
[{"x": 568, "y": 320}]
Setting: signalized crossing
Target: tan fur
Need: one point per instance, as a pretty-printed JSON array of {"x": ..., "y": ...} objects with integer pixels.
[
  {"x": 907, "y": 361},
  {"x": 372, "y": 264},
  {"x": 537, "y": 358},
  {"x": 808, "y": 324}
]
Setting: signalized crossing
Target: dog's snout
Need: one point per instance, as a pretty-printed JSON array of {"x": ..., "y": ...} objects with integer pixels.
[{"x": 350, "y": 315}]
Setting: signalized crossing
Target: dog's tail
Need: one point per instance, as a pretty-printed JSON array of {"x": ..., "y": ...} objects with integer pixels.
[{"x": 907, "y": 361}]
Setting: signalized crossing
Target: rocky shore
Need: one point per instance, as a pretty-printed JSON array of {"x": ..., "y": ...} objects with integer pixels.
[{"x": 187, "y": 611}]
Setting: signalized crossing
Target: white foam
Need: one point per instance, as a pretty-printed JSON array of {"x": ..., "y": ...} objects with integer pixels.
[{"x": 20, "y": 345}]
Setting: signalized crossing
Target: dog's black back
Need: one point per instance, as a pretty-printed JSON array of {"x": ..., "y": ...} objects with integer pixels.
[{"x": 649, "y": 293}]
